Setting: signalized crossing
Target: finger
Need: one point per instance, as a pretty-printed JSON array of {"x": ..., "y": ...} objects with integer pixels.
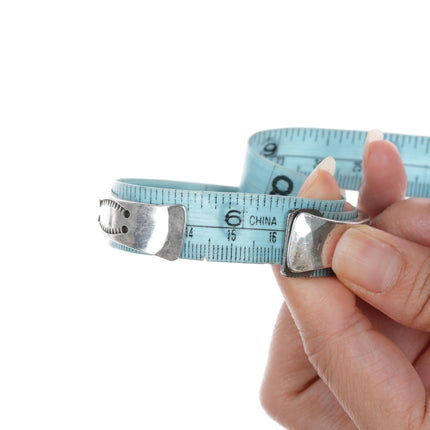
[
  {"x": 410, "y": 341},
  {"x": 291, "y": 383},
  {"x": 384, "y": 176},
  {"x": 320, "y": 184},
  {"x": 422, "y": 366},
  {"x": 369, "y": 375},
  {"x": 288, "y": 371},
  {"x": 408, "y": 219},
  {"x": 388, "y": 272}
]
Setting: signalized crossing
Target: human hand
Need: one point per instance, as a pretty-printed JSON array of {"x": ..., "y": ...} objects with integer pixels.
[{"x": 353, "y": 351}]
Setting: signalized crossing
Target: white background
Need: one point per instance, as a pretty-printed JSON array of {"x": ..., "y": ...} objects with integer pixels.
[{"x": 94, "y": 338}]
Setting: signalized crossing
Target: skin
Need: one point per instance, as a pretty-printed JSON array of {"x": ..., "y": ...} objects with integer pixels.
[{"x": 352, "y": 351}]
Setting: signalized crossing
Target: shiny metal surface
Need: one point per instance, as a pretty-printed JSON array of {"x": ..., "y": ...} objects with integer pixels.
[
  {"x": 152, "y": 229},
  {"x": 307, "y": 233}
]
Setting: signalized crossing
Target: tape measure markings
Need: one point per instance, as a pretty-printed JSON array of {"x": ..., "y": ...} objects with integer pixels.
[{"x": 247, "y": 223}]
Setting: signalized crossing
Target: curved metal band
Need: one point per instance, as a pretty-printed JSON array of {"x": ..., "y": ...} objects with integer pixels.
[{"x": 306, "y": 235}]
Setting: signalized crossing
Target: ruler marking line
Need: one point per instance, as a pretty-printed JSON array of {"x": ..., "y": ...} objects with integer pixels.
[{"x": 233, "y": 228}]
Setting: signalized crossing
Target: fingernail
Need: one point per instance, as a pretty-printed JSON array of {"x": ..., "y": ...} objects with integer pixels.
[
  {"x": 328, "y": 164},
  {"x": 366, "y": 261},
  {"x": 372, "y": 136}
]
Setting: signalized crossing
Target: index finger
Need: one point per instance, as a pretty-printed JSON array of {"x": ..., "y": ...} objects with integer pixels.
[{"x": 384, "y": 176}]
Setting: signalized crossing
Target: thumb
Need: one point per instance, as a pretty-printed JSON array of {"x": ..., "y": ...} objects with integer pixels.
[{"x": 389, "y": 272}]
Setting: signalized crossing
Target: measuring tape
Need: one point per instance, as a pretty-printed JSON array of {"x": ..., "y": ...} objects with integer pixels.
[{"x": 252, "y": 223}]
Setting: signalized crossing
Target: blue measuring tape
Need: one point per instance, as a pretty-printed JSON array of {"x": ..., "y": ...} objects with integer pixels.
[{"x": 247, "y": 224}]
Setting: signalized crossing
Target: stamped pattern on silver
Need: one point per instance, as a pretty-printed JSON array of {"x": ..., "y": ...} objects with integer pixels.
[{"x": 106, "y": 218}]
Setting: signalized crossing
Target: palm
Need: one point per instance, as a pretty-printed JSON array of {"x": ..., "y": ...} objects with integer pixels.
[{"x": 412, "y": 342}]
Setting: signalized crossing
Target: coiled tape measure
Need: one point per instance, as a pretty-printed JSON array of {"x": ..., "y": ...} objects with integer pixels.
[{"x": 262, "y": 220}]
